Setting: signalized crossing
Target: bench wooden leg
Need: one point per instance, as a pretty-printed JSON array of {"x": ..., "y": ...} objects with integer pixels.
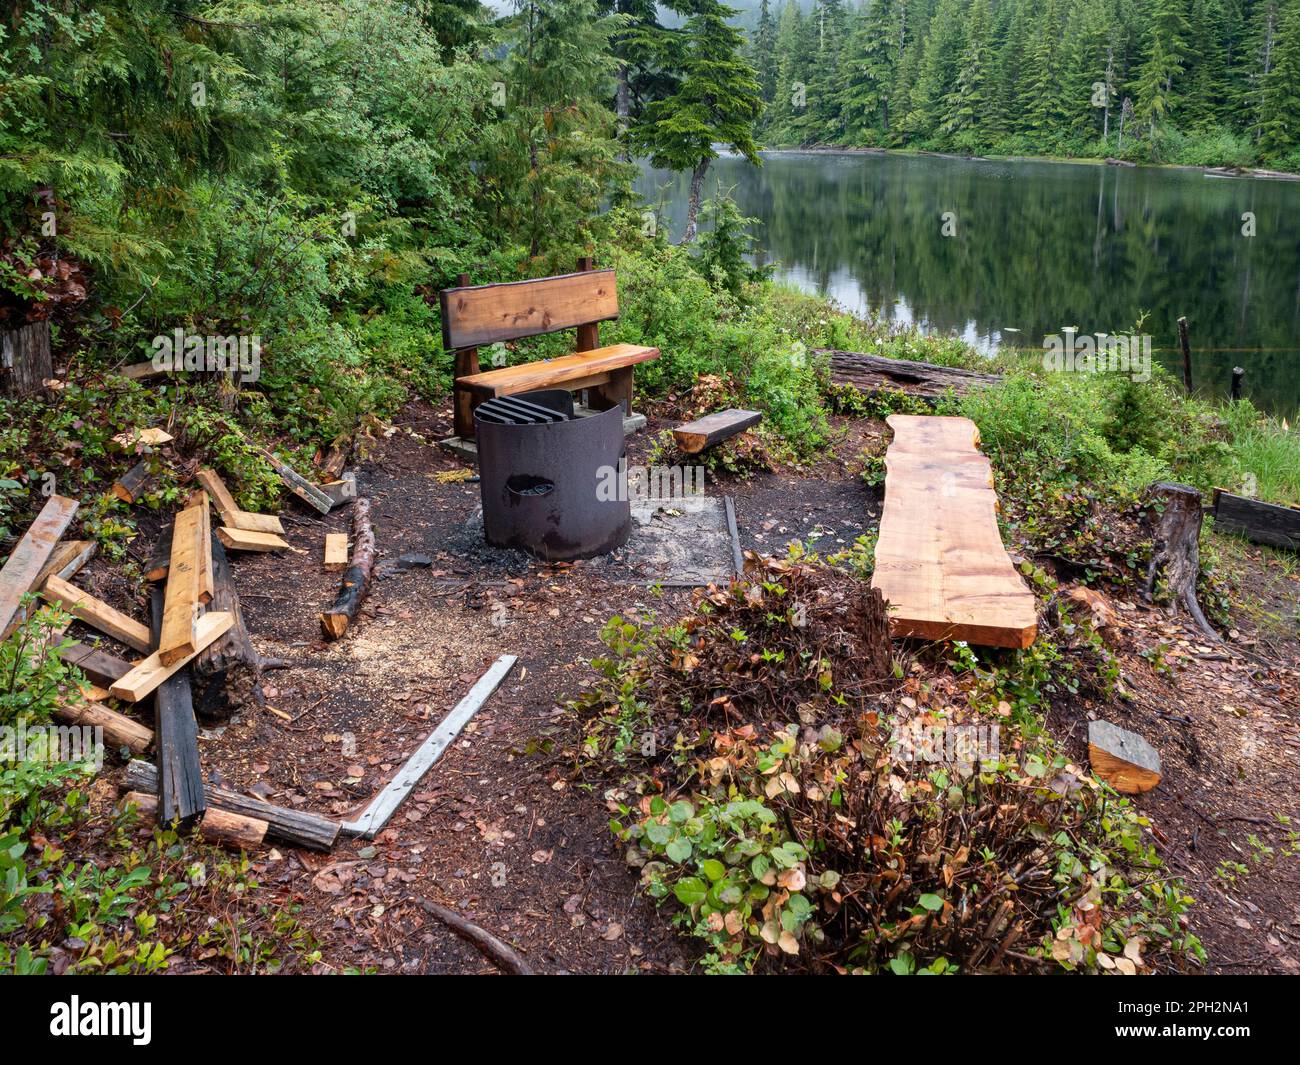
[
  {"x": 616, "y": 392},
  {"x": 466, "y": 363}
]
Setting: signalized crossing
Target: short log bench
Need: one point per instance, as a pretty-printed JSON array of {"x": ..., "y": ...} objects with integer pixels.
[
  {"x": 703, "y": 433},
  {"x": 478, "y": 315}
]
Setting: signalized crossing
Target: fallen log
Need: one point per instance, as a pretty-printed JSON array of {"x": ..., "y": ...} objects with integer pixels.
[
  {"x": 487, "y": 944},
  {"x": 227, "y": 674},
  {"x": 28, "y": 559},
  {"x": 297, "y": 827},
  {"x": 1123, "y": 759},
  {"x": 876, "y": 373},
  {"x": 119, "y": 730},
  {"x": 177, "y": 734},
  {"x": 221, "y": 827},
  {"x": 356, "y": 580},
  {"x": 1173, "y": 513},
  {"x": 1264, "y": 523}
]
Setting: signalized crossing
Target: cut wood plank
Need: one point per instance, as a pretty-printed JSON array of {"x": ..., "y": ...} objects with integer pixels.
[
  {"x": 384, "y": 805},
  {"x": 1264, "y": 523},
  {"x": 68, "y": 559},
  {"x": 180, "y": 785},
  {"x": 119, "y": 730},
  {"x": 336, "y": 551},
  {"x": 230, "y": 513},
  {"x": 298, "y": 827},
  {"x": 300, "y": 486},
  {"x": 100, "y": 666},
  {"x": 131, "y": 485},
  {"x": 181, "y": 607},
  {"x": 1123, "y": 759},
  {"x": 343, "y": 490},
  {"x": 141, "y": 371},
  {"x": 221, "y": 827},
  {"x": 696, "y": 436},
  {"x": 148, "y": 674},
  {"x": 205, "y": 546},
  {"x": 94, "y": 693},
  {"x": 95, "y": 612},
  {"x": 29, "y": 557},
  {"x": 939, "y": 558},
  {"x": 582, "y": 369},
  {"x": 877, "y": 373},
  {"x": 243, "y": 540},
  {"x": 478, "y": 315},
  {"x": 149, "y": 437}
]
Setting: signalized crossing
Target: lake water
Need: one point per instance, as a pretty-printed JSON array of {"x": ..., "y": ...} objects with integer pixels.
[{"x": 1038, "y": 247}]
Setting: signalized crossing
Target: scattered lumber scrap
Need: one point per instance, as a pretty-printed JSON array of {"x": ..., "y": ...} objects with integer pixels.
[
  {"x": 297, "y": 827},
  {"x": 703, "y": 433},
  {"x": 68, "y": 559},
  {"x": 27, "y": 561},
  {"x": 505, "y": 958},
  {"x": 344, "y": 490},
  {"x": 181, "y": 601},
  {"x": 132, "y": 484},
  {"x": 872, "y": 374},
  {"x": 356, "y": 579},
  {"x": 1264, "y": 523},
  {"x": 180, "y": 787},
  {"x": 243, "y": 540},
  {"x": 230, "y": 513},
  {"x": 96, "y": 613},
  {"x": 141, "y": 371},
  {"x": 148, "y": 674},
  {"x": 1173, "y": 514},
  {"x": 100, "y": 666},
  {"x": 148, "y": 437},
  {"x": 939, "y": 559},
  {"x": 119, "y": 730},
  {"x": 221, "y": 827},
  {"x": 1123, "y": 759},
  {"x": 336, "y": 552},
  {"x": 300, "y": 486},
  {"x": 227, "y": 674},
  {"x": 384, "y": 805}
]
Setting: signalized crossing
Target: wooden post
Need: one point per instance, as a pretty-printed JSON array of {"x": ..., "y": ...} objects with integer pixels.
[
  {"x": 589, "y": 334},
  {"x": 1186, "y": 343},
  {"x": 1237, "y": 374},
  {"x": 466, "y": 363}
]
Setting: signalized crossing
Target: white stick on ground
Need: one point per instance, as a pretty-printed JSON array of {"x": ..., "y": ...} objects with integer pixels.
[{"x": 385, "y": 804}]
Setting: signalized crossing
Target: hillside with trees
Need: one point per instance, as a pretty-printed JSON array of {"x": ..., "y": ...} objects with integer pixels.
[{"x": 1201, "y": 82}]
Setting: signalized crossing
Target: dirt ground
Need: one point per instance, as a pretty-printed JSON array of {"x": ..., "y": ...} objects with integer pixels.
[{"x": 498, "y": 831}]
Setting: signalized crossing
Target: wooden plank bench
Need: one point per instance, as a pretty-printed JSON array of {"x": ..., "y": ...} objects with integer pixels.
[
  {"x": 703, "y": 433},
  {"x": 940, "y": 561},
  {"x": 478, "y": 315}
]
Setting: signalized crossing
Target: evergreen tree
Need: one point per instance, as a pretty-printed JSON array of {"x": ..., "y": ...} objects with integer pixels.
[
  {"x": 968, "y": 103},
  {"x": 764, "y": 52},
  {"x": 718, "y": 101},
  {"x": 1280, "y": 97},
  {"x": 869, "y": 69},
  {"x": 1166, "y": 51}
]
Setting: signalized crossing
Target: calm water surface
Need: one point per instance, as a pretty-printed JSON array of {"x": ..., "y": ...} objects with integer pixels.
[{"x": 1038, "y": 247}]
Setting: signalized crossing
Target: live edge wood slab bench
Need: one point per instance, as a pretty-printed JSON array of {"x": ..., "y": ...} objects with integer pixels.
[
  {"x": 478, "y": 315},
  {"x": 940, "y": 562}
]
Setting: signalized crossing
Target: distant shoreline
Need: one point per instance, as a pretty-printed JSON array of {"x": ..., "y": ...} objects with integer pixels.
[{"x": 1215, "y": 171}]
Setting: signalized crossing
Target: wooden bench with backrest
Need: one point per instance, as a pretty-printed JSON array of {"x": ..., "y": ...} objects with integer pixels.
[{"x": 478, "y": 315}]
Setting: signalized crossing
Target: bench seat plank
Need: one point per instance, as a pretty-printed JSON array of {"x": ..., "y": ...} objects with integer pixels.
[{"x": 574, "y": 370}]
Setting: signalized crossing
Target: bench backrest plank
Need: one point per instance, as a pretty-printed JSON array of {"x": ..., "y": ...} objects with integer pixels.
[{"x": 485, "y": 314}]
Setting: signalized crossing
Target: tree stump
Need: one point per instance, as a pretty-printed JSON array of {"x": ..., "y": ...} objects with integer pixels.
[{"x": 1173, "y": 514}]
